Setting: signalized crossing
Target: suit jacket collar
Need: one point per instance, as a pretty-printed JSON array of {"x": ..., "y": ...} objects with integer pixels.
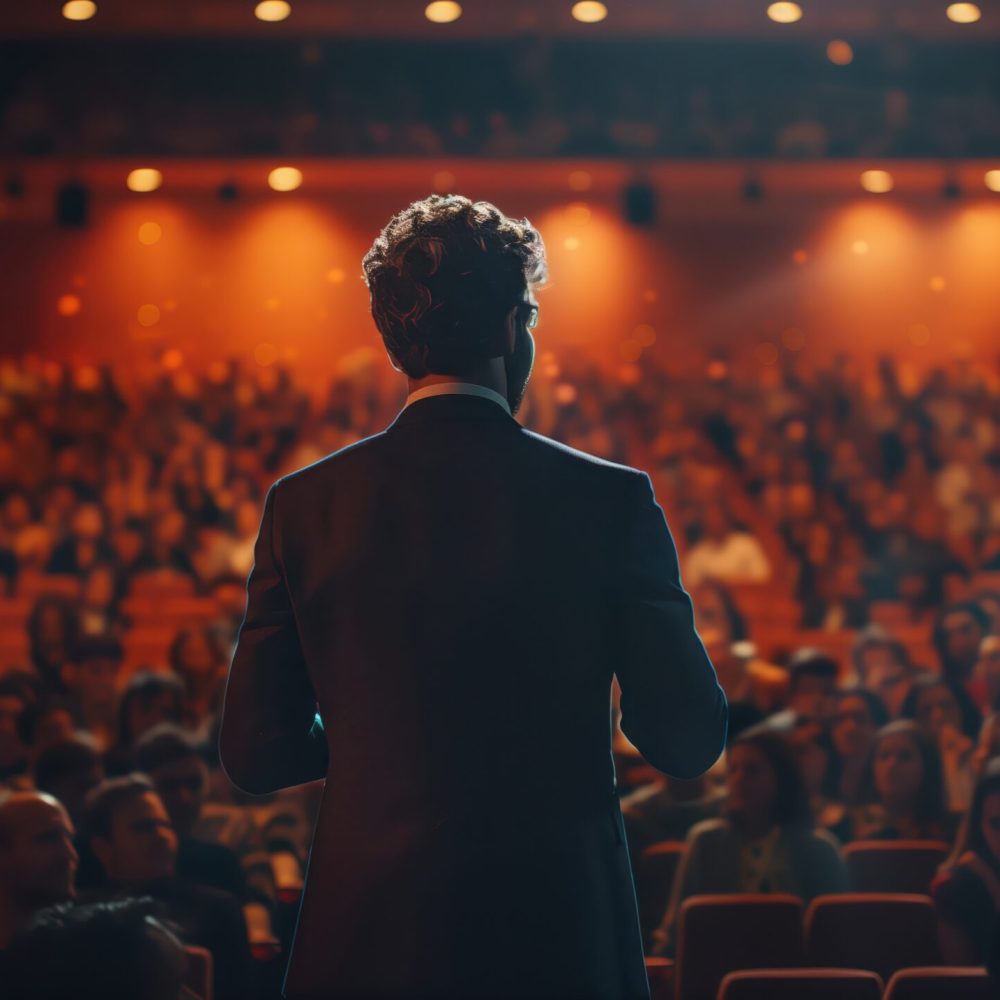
[{"x": 452, "y": 406}]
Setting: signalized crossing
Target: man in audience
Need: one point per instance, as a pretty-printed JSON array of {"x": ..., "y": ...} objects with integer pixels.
[
  {"x": 883, "y": 667},
  {"x": 131, "y": 835},
  {"x": 170, "y": 757},
  {"x": 812, "y": 683},
  {"x": 68, "y": 770},
  {"x": 91, "y": 677},
  {"x": 37, "y": 858},
  {"x": 958, "y": 631}
]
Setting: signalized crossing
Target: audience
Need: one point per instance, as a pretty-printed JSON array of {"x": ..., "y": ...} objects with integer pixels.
[{"x": 785, "y": 502}]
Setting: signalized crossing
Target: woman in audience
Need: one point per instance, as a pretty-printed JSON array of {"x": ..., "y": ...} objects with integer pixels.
[
  {"x": 764, "y": 842},
  {"x": 904, "y": 790},
  {"x": 947, "y": 714},
  {"x": 858, "y": 714},
  {"x": 967, "y": 893}
]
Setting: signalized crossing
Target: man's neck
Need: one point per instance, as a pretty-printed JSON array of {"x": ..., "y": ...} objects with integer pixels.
[{"x": 492, "y": 375}]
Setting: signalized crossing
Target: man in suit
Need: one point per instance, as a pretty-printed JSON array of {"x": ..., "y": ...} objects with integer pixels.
[{"x": 454, "y": 594}]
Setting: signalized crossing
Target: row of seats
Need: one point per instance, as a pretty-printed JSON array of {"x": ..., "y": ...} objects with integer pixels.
[{"x": 880, "y": 933}]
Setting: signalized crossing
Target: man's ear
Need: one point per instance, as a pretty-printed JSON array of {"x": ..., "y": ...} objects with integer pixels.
[
  {"x": 393, "y": 361},
  {"x": 103, "y": 851},
  {"x": 510, "y": 333}
]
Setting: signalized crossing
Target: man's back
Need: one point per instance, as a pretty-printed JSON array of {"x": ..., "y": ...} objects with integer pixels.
[{"x": 456, "y": 593}]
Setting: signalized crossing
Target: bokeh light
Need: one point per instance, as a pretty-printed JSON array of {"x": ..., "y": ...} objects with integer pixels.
[
  {"x": 272, "y": 10},
  {"x": 79, "y": 10},
  {"x": 877, "y": 181},
  {"x": 840, "y": 52},
  {"x": 148, "y": 314},
  {"x": 784, "y": 13},
  {"x": 150, "y": 233},
  {"x": 144, "y": 179},
  {"x": 284, "y": 178},
  {"x": 860, "y": 247},
  {"x": 963, "y": 13},
  {"x": 589, "y": 11},
  {"x": 68, "y": 305},
  {"x": 443, "y": 11},
  {"x": 992, "y": 180}
]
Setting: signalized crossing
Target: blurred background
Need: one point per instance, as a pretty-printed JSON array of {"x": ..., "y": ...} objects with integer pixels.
[{"x": 773, "y": 233}]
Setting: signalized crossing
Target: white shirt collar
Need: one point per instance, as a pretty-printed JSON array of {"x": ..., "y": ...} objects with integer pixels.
[{"x": 450, "y": 388}]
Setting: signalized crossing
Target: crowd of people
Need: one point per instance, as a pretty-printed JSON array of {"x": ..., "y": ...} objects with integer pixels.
[
  {"x": 532, "y": 97},
  {"x": 836, "y": 488}
]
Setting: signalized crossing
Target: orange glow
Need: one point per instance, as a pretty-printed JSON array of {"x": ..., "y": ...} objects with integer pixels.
[
  {"x": 443, "y": 11},
  {"x": 860, "y": 247},
  {"x": 265, "y": 354},
  {"x": 68, "y": 305},
  {"x": 992, "y": 180},
  {"x": 793, "y": 339},
  {"x": 565, "y": 393},
  {"x": 784, "y": 13},
  {"x": 443, "y": 181},
  {"x": 630, "y": 350},
  {"x": 284, "y": 178},
  {"x": 918, "y": 334},
  {"x": 644, "y": 334},
  {"x": 148, "y": 315},
  {"x": 172, "y": 359},
  {"x": 578, "y": 213},
  {"x": 766, "y": 353},
  {"x": 963, "y": 13},
  {"x": 579, "y": 180},
  {"x": 79, "y": 10},
  {"x": 589, "y": 11},
  {"x": 272, "y": 10},
  {"x": 877, "y": 181},
  {"x": 937, "y": 283},
  {"x": 571, "y": 243},
  {"x": 650, "y": 295},
  {"x": 150, "y": 233},
  {"x": 144, "y": 179},
  {"x": 840, "y": 52},
  {"x": 335, "y": 276},
  {"x": 717, "y": 370},
  {"x": 800, "y": 256}
]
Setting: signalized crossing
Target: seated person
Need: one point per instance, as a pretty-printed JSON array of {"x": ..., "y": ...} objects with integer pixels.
[
  {"x": 149, "y": 698},
  {"x": 967, "y": 892},
  {"x": 130, "y": 834},
  {"x": 857, "y": 717},
  {"x": 882, "y": 666},
  {"x": 170, "y": 757},
  {"x": 764, "y": 842},
  {"x": 812, "y": 684},
  {"x": 37, "y": 859},
  {"x": 903, "y": 790}
]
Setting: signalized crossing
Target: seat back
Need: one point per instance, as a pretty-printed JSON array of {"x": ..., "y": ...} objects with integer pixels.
[
  {"x": 199, "y": 971},
  {"x": 655, "y": 869},
  {"x": 943, "y": 983},
  {"x": 720, "y": 933},
  {"x": 801, "y": 984},
  {"x": 882, "y": 932},
  {"x": 894, "y": 865}
]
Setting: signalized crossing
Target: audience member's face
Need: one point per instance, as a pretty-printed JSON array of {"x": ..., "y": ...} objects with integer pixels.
[
  {"x": 128, "y": 545},
  {"x": 991, "y": 823},
  {"x": 711, "y": 619},
  {"x": 54, "y": 726},
  {"x": 182, "y": 785},
  {"x": 899, "y": 769},
  {"x": 988, "y": 664},
  {"x": 88, "y": 522},
  {"x": 853, "y": 728},
  {"x": 143, "y": 846},
  {"x": 148, "y": 710},
  {"x": 937, "y": 708},
  {"x": 810, "y": 754},
  {"x": 810, "y": 697},
  {"x": 11, "y": 748},
  {"x": 962, "y": 636},
  {"x": 885, "y": 676},
  {"x": 750, "y": 781},
  {"x": 37, "y": 857},
  {"x": 197, "y": 654}
]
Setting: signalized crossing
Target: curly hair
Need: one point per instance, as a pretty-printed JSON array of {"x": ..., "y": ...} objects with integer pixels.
[{"x": 443, "y": 274}]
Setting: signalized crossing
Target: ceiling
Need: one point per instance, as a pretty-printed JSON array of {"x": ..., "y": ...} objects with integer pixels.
[{"x": 849, "y": 19}]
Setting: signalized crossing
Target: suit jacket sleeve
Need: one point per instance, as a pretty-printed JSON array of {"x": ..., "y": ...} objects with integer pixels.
[
  {"x": 271, "y": 735},
  {"x": 672, "y": 706}
]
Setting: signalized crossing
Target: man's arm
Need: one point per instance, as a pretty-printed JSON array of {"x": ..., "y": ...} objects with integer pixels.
[
  {"x": 271, "y": 735},
  {"x": 672, "y": 706}
]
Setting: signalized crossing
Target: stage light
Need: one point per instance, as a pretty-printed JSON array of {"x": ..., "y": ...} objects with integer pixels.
[
  {"x": 876, "y": 181},
  {"x": 144, "y": 179},
  {"x": 963, "y": 13},
  {"x": 992, "y": 180},
  {"x": 79, "y": 10},
  {"x": 443, "y": 11},
  {"x": 284, "y": 178},
  {"x": 589, "y": 12},
  {"x": 839, "y": 52},
  {"x": 272, "y": 10},
  {"x": 785, "y": 13},
  {"x": 148, "y": 314},
  {"x": 68, "y": 305}
]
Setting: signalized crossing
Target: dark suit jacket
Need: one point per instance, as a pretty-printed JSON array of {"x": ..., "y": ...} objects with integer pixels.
[{"x": 455, "y": 593}]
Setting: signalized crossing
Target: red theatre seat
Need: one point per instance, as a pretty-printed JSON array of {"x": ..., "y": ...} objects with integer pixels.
[
  {"x": 882, "y": 932},
  {"x": 944, "y": 983},
  {"x": 654, "y": 877},
  {"x": 801, "y": 984},
  {"x": 894, "y": 865},
  {"x": 719, "y": 934}
]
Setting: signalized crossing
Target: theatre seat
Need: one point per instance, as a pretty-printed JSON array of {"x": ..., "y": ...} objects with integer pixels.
[
  {"x": 721, "y": 933},
  {"x": 801, "y": 984},
  {"x": 881, "y": 932},
  {"x": 199, "y": 972},
  {"x": 942, "y": 983},
  {"x": 894, "y": 865},
  {"x": 655, "y": 869}
]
